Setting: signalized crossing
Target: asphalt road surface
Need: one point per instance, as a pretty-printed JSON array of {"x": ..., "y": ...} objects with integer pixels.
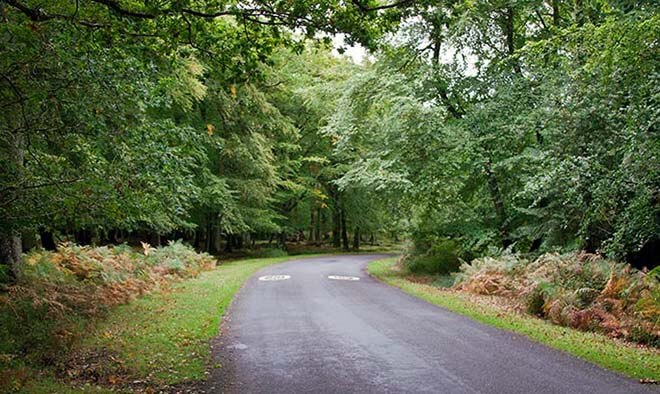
[{"x": 311, "y": 334}]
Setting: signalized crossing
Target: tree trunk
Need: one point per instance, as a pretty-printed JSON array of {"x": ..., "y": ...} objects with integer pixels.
[
  {"x": 344, "y": 233},
  {"x": 207, "y": 237},
  {"x": 454, "y": 110},
  {"x": 197, "y": 240},
  {"x": 10, "y": 254},
  {"x": 336, "y": 220},
  {"x": 556, "y": 18},
  {"x": 336, "y": 227},
  {"x": 498, "y": 202},
  {"x": 228, "y": 244},
  {"x": 47, "y": 239},
  {"x": 317, "y": 234},
  {"x": 83, "y": 237},
  {"x": 356, "y": 238},
  {"x": 510, "y": 35},
  {"x": 10, "y": 238},
  {"x": 283, "y": 241}
]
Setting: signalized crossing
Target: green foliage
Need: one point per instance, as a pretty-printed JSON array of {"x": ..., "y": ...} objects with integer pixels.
[
  {"x": 272, "y": 252},
  {"x": 45, "y": 313},
  {"x": 137, "y": 119},
  {"x": 542, "y": 140},
  {"x": 441, "y": 258},
  {"x": 474, "y": 128}
]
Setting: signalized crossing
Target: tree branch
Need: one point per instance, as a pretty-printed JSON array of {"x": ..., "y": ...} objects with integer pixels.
[
  {"x": 116, "y": 7},
  {"x": 365, "y": 8}
]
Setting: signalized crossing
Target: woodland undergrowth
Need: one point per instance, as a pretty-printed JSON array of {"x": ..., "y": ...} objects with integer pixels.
[
  {"x": 62, "y": 292},
  {"x": 584, "y": 291}
]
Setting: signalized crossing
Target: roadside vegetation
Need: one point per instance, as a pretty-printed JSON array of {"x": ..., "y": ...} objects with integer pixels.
[
  {"x": 144, "y": 331},
  {"x": 164, "y": 339},
  {"x": 581, "y": 291},
  {"x": 496, "y": 308},
  {"x": 62, "y": 294},
  {"x": 519, "y": 136}
]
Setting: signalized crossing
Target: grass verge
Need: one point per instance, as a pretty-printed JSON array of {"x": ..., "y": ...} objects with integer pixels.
[
  {"x": 633, "y": 361},
  {"x": 164, "y": 338}
]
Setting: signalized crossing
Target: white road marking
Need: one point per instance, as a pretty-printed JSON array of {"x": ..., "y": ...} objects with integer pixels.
[
  {"x": 274, "y": 277},
  {"x": 341, "y": 277}
]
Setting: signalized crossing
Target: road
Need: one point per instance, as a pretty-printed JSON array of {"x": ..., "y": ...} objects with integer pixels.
[{"x": 312, "y": 334}]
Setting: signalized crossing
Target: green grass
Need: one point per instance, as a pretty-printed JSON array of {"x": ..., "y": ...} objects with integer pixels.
[
  {"x": 633, "y": 361},
  {"x": 164, "y": 337}
]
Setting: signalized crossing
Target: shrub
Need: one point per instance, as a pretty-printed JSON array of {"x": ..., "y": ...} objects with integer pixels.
[
  {"x": 535, "y": 301},
  {"x": 440, "y": 259},
  {"x": 41, "y": 316},
  {"x": 272, "y": 252},
  {"x": 579, "y": 290}
]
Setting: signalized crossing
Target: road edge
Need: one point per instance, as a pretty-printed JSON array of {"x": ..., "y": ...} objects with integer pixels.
[{"x": 532, "y": 328}]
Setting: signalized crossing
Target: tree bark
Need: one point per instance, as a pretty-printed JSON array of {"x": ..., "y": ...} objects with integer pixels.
[
  {"x": 510, "y": 34},
  {"x": 336, "y": 217},
  {"x": 356, "y": 238},
  {"x": 229, "y": 243},
  {"x": 336, "y": 227},
  {"x": 198, "y": 240},
  {"x": 556, "y": 18},
  {"x": 344, "y": 233},
  {"x": 83, "y": 237},
  {"x": 10, "y": 254},
  {"x": 498, "y": 202},
  {"x": 311, "y": 223},
  {"x": 454, "y": 110},
  {"x": 317, "y": 234},
  {"x": 283, "y": 241},
  {"x": 156, "y": 239},
  {"x": 10, "y": 238},
  {"x": 47, "y": 239}
]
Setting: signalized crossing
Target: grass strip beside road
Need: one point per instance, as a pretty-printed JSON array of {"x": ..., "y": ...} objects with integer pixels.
[
  {"x": 633, "y": 361},
  {"x": 163, "y": 338}
]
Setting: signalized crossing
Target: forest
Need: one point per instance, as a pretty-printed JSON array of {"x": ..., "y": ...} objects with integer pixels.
[
  {"x": 467, "y": 129},
  {"x": 521, "y": 125}
]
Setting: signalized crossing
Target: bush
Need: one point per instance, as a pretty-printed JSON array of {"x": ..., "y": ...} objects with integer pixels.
[
  {"x": 272, "y": 252},
  {"x": 440, "y": 259},
  {"x": 42, "y": 316},
  {"x": 579, "y": 290},
  {"x": 535, "y": 301}
]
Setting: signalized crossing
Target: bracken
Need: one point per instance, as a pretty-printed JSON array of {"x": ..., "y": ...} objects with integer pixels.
[{"x": 579, "y": 290}]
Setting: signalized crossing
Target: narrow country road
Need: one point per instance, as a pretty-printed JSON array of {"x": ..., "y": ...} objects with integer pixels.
[{"x": 311, "y": 334}]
